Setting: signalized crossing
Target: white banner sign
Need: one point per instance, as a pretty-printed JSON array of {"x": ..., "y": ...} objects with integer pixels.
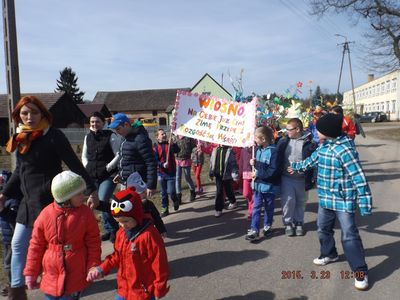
[{"x": 214, "y": 120}]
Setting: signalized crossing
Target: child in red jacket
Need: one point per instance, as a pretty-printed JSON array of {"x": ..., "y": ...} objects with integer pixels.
[
  {"x": 65, "y": 241},
  {"x": 139, "y": 252}
]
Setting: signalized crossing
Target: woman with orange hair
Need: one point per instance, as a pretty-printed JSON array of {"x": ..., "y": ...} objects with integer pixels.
[{"x": 40, "y": 150}]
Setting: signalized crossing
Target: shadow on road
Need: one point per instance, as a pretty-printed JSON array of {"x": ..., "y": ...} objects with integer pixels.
[
  {"x": 371, "y": 145},
  {"x": 259, "y": 295},
  {"x": 382, "y": 177},
  {"x": 210, "y": 262},
  {"x": 101, "y": 286}
]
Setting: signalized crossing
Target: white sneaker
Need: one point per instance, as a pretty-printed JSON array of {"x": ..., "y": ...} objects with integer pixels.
[
  {"x": 322, "y": 261},
  {"x": 232, "y": 205},
  {"x": 361, "y": 285},
  {"x": 218, "y": 213}
]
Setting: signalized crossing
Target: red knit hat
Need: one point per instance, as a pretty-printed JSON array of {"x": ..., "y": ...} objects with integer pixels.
[{"x": 127, "y": 203}]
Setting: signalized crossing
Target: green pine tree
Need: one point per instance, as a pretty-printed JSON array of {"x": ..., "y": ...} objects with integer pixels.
[{"x": 68, "y": 84}]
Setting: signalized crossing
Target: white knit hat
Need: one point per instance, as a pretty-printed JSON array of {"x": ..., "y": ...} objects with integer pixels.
[{"x": 65, "y": 185}]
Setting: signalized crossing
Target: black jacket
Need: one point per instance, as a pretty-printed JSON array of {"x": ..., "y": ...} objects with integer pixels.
[
  {"x": 36, "y": 169},
  {"x": 99, "y": 153},
  {"x": 308, "y": 148},
  {"x": 137, "y": 156}
]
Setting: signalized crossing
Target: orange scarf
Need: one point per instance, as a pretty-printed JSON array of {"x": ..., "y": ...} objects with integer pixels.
[{"x": 23, "y": 139}]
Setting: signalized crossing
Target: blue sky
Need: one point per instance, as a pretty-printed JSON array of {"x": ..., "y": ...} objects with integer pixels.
[{"x": 132, "y": 45}]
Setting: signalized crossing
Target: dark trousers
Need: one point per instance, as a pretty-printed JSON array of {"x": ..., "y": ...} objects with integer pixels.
[{"x": 223, "y": 185}]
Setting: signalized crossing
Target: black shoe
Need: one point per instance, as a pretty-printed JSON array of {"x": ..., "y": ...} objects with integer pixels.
[
  {"x": 105, "y": 237},
  {"x": 179, "y": 198},
  {"x": 192, "y": 195},
  {"x": 176, "y": 205},
  {"x": 164, "y": 212}
]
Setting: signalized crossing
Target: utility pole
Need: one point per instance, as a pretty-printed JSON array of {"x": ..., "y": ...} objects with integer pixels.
[
  {"x": 346, "y": 48},
  {"x": 11, "y": 62}
]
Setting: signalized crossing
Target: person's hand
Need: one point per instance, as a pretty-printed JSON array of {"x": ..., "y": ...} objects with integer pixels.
[
  {"x": 116, "y": 179},
  {"x": 254, "y": 175},
  {"x": 2, "y": 201},
  {"x": 290, "y": 170},
  {"x": 252, "y": 162},
  {"x": 165, "y": 165},
  {"x": 93, "y": 200},
  {"x": 31, "y": 282},
  {"x": 150, "y": 193},
  {"x": 164, "y": 235},
  {"x": 93, "y": 274}
]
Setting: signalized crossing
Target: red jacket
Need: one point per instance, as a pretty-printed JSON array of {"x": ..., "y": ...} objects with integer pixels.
[
  {"x": 348, "y": 127},
  {"x": 65, "y": 244},
  {"x": 142, "y": 265}
]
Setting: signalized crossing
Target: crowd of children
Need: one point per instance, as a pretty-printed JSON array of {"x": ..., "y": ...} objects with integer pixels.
[{"x": 65, "y": 247}]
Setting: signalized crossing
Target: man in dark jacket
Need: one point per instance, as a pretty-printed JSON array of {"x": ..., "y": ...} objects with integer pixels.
[{"x": 136, "y": 152}]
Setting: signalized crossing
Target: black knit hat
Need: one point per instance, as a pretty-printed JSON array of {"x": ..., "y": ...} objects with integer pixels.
[{"x": 330, "y": 125}]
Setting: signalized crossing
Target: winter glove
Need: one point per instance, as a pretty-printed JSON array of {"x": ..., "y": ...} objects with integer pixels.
[{"x": 31, "y": 282}]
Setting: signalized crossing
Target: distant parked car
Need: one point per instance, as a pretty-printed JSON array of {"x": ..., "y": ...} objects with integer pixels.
[{"x": 373, "y": 116}]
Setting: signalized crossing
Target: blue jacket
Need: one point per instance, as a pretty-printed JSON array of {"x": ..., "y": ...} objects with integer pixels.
[
  {"x": 267, "y": 171},
  {"x": 341, "y": 181},
  {"x": 137, "y": 155}
]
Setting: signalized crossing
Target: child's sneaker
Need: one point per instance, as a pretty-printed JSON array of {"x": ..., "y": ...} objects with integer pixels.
[
  {"x": 361, "y": 284},
  {"x": 267, "y": 230},
  {"x": 164, "y": 212},
  {"x": 218, "y": 213},
  {"x": 322, "y": 261},
  {"x": 252, "y": 236},
  {"x": 289, "y": 231},
  {"x": 232, "y": 205},
  {"x": 299, "y": 230},
  {"x": 176, "y": 205}
]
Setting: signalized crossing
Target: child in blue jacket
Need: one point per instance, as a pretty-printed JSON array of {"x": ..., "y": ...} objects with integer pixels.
[{"x": 265, "y": 179}]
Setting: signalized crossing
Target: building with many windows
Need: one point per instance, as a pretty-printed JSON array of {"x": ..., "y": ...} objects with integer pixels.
[{"x": 380, "y": 94}]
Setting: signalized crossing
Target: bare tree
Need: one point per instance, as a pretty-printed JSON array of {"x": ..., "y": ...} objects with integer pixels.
[{"x": 384, "y": 18}]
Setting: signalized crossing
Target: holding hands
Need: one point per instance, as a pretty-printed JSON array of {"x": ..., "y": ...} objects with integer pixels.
[{"x": 94, "y": 274}]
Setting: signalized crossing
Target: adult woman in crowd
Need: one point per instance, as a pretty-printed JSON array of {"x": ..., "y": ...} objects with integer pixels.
[
  {"x": 99, "y": 149},
  {"x": 40, "y": 150}
]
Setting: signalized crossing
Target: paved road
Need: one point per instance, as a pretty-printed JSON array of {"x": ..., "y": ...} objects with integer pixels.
[{"x": 210, "y": 259}]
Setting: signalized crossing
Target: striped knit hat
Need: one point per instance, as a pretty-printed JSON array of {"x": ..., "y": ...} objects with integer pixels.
[{"x": 65, "y": 185}]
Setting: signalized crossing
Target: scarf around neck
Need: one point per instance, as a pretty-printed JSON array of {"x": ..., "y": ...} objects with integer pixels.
[{"x": 25, "y": 135}]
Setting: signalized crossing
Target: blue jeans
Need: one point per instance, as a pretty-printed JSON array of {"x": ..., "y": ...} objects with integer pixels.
[
  {"x": 74, "y": 296},
  {"x": 188, "y": 178},
  {"x": 351, "y": 241},
  {"x": 167, "y": 187},
  {"x": 105, "y": 190},
  {"x": 19, "y": 247},
  {"x": 260, "y": 199}
]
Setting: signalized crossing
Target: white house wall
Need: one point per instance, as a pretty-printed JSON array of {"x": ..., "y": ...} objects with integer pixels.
[{"x": 380, "y": 94}]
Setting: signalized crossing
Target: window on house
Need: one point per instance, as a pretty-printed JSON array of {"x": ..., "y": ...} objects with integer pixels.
[
  {"x": 162, "y": 121},
  {"x": 393, "y": 106},
  {"x": 154, "y": 113}
]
